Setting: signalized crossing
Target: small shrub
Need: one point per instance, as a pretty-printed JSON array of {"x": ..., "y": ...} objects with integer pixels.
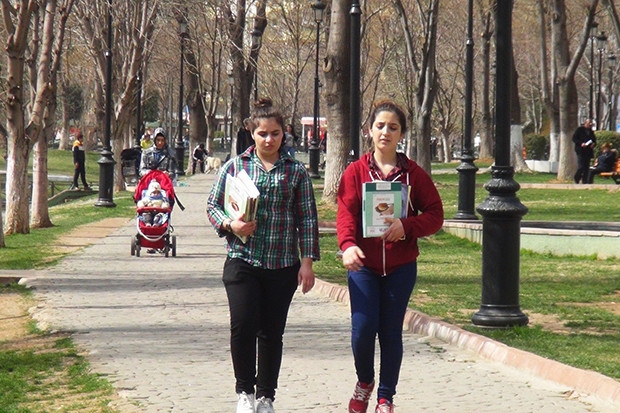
[
  {"x": 603, "y": 136},
  {"x": 537, "y": 146}
]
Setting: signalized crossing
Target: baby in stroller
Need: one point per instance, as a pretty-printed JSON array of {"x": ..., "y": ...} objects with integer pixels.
[{"x": 153, "y": 197}]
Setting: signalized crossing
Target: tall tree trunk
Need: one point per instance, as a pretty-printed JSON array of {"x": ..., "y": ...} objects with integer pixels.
[
  {"x": 134, "y": 38},
  {"x": 567, "y": 95},
  {"x": 549, "y": 89},
  {"x": 485, "y": 151},
  {"x": 337, "y": 71},
  {"x": 45, "y": 106},
  {"x": 516, "y": 132},
  {"x": 424, "y": 72},
  {"x": 40, "y": 87},
  {"x": 64, "y": 142},
  {"x": 2, "y": 244},
  {"x": 17, "y": 23},
  {"x": 243, "y": 67},
  {"x": 202, "y": 122}
]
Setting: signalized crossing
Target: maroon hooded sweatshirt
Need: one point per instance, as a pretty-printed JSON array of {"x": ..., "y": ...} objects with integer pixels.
[{"x": 424, "y": 212}]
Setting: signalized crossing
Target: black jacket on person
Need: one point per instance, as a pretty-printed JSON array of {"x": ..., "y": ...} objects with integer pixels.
[
  {"x": 79, "y": 155},
  {"x": 606, "y": 161},
  {"x": 199, "y": 153},
  {"x": 244, "y": 140},
  {"x": 583, "y": 135}
]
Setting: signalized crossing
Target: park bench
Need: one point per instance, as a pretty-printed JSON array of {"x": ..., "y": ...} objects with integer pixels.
[{"x": 615, "y": 174}]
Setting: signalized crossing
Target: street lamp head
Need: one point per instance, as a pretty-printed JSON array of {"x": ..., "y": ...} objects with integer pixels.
[
  {"x": 611, "y": 60},
  {"x": 318, "y": 8},
  {"x": 183, "y": 29},
  {"x": 257, "y": 37},
  {"x": 593, "y": 27},
  {"x": 601, "y": 40}
]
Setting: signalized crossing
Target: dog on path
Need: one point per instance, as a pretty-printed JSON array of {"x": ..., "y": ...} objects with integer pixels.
[{"x": 212, "y": 163}]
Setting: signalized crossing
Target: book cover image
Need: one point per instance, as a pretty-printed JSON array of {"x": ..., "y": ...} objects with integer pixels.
[
  {"x": 240, "y": 198},
  {"x": 381, "y": 200}
]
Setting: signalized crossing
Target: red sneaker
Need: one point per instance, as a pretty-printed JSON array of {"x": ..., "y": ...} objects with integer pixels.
[
  {"x": 384, "y": 406},
  {"x": 361, "y": 395}
]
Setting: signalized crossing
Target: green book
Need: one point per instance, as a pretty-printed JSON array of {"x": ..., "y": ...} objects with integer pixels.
[{"x": 380, "y": 200}]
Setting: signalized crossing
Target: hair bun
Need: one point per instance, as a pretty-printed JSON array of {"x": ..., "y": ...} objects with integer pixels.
[{"x": 263, "y": 103}]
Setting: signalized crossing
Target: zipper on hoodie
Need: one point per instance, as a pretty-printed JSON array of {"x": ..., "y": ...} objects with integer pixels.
[
  {"x": 384, "y": 269},
  {"x": 372, "y": 178}
]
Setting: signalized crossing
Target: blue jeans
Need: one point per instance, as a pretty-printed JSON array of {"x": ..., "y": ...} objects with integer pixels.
[
  {"x": 378, "y": 306},
  {"x": 291, "y": 151}
]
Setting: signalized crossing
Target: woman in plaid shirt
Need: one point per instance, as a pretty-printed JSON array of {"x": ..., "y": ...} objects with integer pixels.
[{"x": 262, "y": 274}]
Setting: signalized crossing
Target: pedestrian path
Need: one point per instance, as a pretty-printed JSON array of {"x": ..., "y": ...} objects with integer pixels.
[{"x": 157, "y": 328}]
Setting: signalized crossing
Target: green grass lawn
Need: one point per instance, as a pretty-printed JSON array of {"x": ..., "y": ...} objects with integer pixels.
[
  {"x": 542, "y": 204},
  {"x": 577, "y": 294}
]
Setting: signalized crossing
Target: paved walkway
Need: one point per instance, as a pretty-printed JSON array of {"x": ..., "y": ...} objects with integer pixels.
[{"x": 158, "y": 329}]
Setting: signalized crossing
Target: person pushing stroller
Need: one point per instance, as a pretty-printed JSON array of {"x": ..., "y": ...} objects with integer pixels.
[{"x": 159, "y": 156}]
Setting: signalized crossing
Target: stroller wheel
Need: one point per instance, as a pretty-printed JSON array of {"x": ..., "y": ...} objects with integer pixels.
[
  {"x": 167, "y": 246},
  {"x": 133, "y": 246},
  {"x": 174, "y": 245}
]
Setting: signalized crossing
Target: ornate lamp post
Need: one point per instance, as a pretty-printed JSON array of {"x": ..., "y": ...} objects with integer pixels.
[
  {"x": 318, "y": 7},
  {"x": 601, "y": 39},
  {"x": 611, "y": 62},
  {"x": 138, "y": 110},
  {"x": 467, "y": 169},
  {"x": 257, "y": 38},
  {"x": 106, "y": 162},
  {"x": 502, "y": 210},
  {"x": 231, "y": 84},
  {"x": 180, "y": 147},
  {"x": 593, "y": 27}
]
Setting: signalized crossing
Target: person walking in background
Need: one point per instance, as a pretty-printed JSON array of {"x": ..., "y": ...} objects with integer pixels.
[
  {"x": 158, "y": 156},
  {"x": 199, "y": 155},
  {"x": 382, "y": 271},
  {"x": 79, "y": 162},
  {"x": 146, "y": 141},
  {"x": 584, "y": 141},
  {"x": 262, "y": 274},
  {"x": 290, "y": 140},
  {"x": 604, "y": 163},
  {"x": 244, "y": 137}
]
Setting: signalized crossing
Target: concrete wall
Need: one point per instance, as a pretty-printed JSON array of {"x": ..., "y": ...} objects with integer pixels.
[{"x": 603, "y": 244}]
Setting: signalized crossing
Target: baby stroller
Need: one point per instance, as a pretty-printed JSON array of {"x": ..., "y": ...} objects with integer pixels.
[
  {"x": 154, "y": 197},
  {"x": 130, "y": 161}
]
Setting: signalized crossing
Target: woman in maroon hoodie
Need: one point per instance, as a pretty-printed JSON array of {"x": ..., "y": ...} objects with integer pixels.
[{"x": 382, "y": 270}]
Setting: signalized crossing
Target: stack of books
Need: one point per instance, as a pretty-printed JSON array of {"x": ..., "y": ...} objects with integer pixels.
[{"x": 241, "y": 198}]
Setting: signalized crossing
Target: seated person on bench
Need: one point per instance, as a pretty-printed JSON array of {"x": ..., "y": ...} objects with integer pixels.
[{"x": 604, "y": 163}]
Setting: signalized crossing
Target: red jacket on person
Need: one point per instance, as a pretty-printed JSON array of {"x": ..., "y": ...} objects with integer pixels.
[{"x": 424, "y": 215}]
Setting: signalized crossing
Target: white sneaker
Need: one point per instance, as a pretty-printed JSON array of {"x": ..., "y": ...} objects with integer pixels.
[
  {"x": 264, "y": 405},
  {"x": 245, "y": 403}
]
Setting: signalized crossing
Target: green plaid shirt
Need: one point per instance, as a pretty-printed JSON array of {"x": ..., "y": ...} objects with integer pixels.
[{"x": 286, "y": 217}]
